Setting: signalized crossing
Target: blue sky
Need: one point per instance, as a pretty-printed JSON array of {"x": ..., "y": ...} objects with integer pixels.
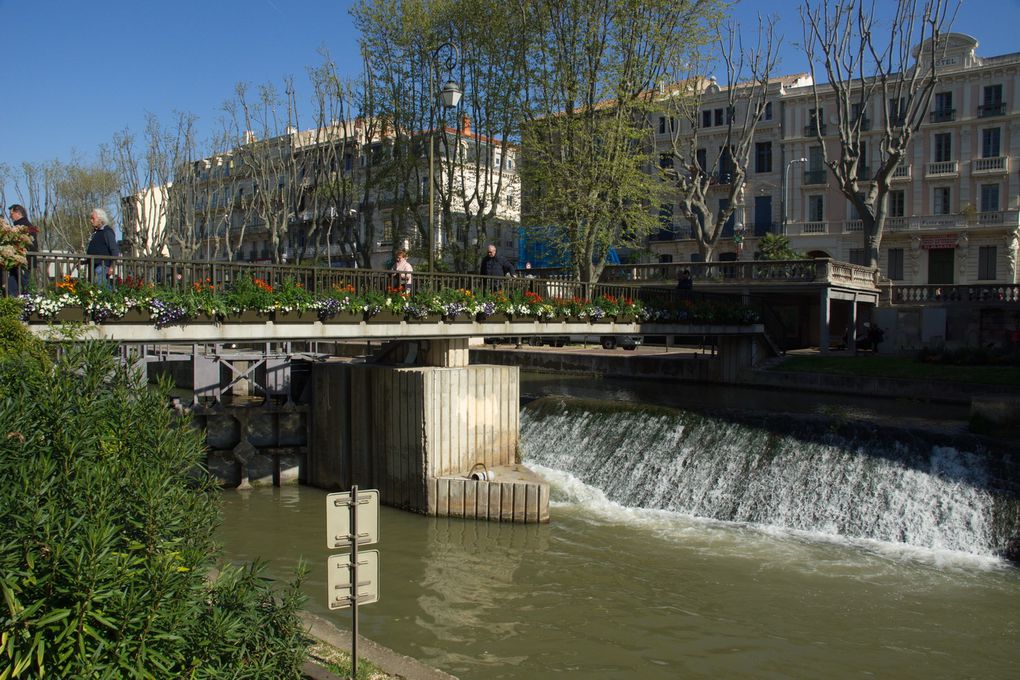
[{"x": 78, "y": 71}]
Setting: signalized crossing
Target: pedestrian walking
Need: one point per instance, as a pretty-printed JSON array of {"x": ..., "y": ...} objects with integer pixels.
[{"x": 103, "y": 242}]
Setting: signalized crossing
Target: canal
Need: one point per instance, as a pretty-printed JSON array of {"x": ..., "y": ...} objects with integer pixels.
[{"x": 610, "y": 589}]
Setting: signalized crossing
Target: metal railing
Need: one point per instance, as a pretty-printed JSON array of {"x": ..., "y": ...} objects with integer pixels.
[{"x": 50, "y": 268}]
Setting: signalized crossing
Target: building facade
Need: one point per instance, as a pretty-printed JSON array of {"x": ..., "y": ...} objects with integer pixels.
[
  {"x": 954, "y": 204},
  {"x": 336, "y": 193}
]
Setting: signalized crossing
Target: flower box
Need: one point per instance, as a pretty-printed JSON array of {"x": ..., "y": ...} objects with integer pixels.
[
  {"x": 295, "y": 316},
  {"x": 457, "y": 318},
  {"x": 133, "y": 315},
  {"x": 384, "y": 316},
  {"x": 248, "y": 316},
  {"x": 63, "y": 315},
  {"x": 344, "y": 317}
]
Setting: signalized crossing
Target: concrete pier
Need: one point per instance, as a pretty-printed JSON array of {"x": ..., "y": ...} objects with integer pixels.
[{"x": 416, "y": 433}]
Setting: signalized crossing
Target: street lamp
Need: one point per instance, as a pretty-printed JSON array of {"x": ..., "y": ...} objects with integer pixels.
[
  {"x": 786, "y": 189},
  {"x": 448, "y": 97}
]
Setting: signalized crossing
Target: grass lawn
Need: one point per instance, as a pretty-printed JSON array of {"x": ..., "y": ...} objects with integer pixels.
[{"x": 901, "y": 367}]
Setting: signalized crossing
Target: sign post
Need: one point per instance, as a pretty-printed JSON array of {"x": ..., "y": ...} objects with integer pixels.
[{"x": 352, "y": 519}]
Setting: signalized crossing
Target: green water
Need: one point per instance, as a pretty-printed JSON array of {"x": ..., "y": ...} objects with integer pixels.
[{"x": 605, "y": 591}]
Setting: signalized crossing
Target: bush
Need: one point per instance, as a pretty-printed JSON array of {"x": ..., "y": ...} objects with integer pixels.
[{"x": 107, "y": 540}]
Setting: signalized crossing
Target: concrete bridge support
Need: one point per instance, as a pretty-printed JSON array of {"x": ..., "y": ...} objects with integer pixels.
[{"x": 417, "y": 433}]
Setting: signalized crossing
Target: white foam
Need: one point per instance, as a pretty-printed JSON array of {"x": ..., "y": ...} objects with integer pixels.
[{"x": 808, "y": 551}]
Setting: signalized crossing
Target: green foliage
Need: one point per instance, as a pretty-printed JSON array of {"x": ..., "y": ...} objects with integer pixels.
[
  {"x": 107, "y": 538},
  {"x": 776, "y": 247},
  {"x": 21, "y": 353}
]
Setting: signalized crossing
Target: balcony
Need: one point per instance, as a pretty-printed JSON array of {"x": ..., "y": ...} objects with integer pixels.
[
  {"x": 901, "y": 173},
  {"x": 995, "y": 165},
  {"x": 999, "y": 218},
  {"x": 943, "y": 169},
  {"x": 813, "y": 128},
  {"x": 989, "y": 110},
  {"x": 814, "y": 228},
  {"x": 942, "y": 115},
  {"x": 853, "y": 226},
  {"x": 895, "y": 223},
  {"x": 814, "y": 176}
]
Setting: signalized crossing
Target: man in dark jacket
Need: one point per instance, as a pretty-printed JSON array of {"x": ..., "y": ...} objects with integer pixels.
[
  {"x": 495, "y": 265},
  {"x": 18, "y": 281},
  {"x": 103, "y": 242}
]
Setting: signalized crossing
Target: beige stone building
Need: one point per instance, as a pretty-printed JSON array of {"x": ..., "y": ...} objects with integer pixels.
[
  {"x": 954, "y": 211},
  {"x": 328, "y": 191}
]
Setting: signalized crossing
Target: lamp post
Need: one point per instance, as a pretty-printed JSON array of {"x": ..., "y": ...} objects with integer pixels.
[
  {"x": 786, "y": 189},
  {"x": 448, "y": 97}
]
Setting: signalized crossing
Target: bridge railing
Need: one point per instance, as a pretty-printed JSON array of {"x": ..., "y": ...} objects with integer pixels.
[
  {"x": 820, "y": 270},
  {"x": 50, "y": 268},
  {"x": 1007, "y": 293}
]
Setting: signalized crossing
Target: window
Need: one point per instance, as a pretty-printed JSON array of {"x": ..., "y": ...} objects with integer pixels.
[
  {"x": 816, "y": 208},
  {"x": 768, "y": 111},
  {"x": 662, "y": 125},
  {"x": 665, "y": 259},
  {"x": 763, "y": 157},
  {"x": 897, "y": 110},
  {"x": 897, "y": 203},
  {"x": 726, "y": 166},
  {"x": 718, "y": 117},
  {"x": 665, "y": 160},
  {"x": 992, "y": 104},
  {"x": 856, "y": 256},
  {"x": 943, "y": 147},
  {"x": 941, "y": 202},
  {"x": 895, "y": 267},
  {"x": 986, "y": 262},
  {"x": 943, "y": 110},
  {"x": 816, "y": 121},
  {"x": 989, "y": 198},
  {"x": 701, "y": 158},
  {"x": 816, "y": 160},
  {"x": 672, "y": 124},
  {"x": 706, "y": 118},
  {"x": 990, "y": 142},
  {"x": 731, "y": 114},
  {"x": 858, "y": 112}
]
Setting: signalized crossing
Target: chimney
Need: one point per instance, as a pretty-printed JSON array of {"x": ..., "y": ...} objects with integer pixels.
[{"x": 465, "y": 125}]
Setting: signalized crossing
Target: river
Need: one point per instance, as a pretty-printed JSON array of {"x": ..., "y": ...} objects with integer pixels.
[{"x": 610, "y": 589}]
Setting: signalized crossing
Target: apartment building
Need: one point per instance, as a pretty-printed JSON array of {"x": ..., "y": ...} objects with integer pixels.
[
  {"x": 954, "y": 212},
  {"x": 351, "y": 187}
]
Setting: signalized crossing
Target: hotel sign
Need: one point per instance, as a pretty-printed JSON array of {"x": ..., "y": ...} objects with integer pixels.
[{"x": 938, "y": 242}]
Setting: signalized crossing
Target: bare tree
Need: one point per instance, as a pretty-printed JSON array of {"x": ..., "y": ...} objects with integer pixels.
[
  {"x": 866, "y": 64},
  {"x": 702, "y": 176}
]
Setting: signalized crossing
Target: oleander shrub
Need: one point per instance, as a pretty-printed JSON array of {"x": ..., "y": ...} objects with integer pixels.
[{"x": 106, "y": 544}]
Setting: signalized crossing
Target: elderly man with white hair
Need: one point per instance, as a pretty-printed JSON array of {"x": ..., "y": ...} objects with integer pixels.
[{"x": 103, "y": 242}]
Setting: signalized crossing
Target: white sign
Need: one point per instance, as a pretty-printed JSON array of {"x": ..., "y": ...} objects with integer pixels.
[
  {"x": 340, "y": 573},
  {"x": 339, "y": 516}
]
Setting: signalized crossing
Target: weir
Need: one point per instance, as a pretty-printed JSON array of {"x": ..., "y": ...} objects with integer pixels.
[{"x": 846, "y": 480}]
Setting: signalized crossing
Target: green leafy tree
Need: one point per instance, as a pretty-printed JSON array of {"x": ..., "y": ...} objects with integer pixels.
[
  {"x": 107, "y": 538},
  {"x": 590, "y": 163}
]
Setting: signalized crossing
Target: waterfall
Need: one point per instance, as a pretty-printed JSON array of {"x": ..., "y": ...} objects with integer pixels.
[{"x": 833, "y": 477}]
